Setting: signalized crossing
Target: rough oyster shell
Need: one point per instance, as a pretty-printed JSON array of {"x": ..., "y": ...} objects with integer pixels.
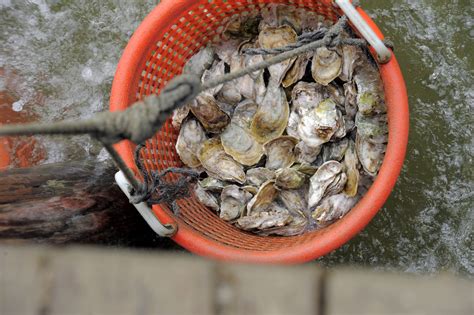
[
  {"x": 271, "y": 118},
  {"x": 208, "y": 112},
  {"x": 327, "y": 65},
  {"x": 370, "y": 93},
  {"x": 305, "y": 153},
  {"x": 370, "y": 155},
  {"x": 212, "y": 184},
  {"x": 217, "y": 70},
  {"x": 239, "y": 144},
  {"x": 278, "y": 37},
  {"x": 333, "y": 207},
  {"x": 267, "y": 193},
  {"x": 351, "y": 163},
  {"x": 280, "y": 152},
  {"x": 233, "y": 202},
  {"x": 258, "y": 176},
  {"x": 179, "y": 115},
  {"x": 289, "y": 178},
  {"x": 218, "y": 164},
  {"x": 206, "y": 198},
  {"x": 191, "y": 136},
  {"x": 272, "y": 217},
  {"x": 319, "y": 125},
  {"x": 373, "y": 129},
  {"x": 296, "y": 71},
  {"x": 328, "y": 175},
  {"x": 350, "y": 56}
]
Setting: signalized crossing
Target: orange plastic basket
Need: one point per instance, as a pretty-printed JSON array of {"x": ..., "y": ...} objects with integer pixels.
[{"x": 167, "y": 38}]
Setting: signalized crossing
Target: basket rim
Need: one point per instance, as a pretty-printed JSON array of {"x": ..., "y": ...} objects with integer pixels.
[{"x": 327, "y": 239}]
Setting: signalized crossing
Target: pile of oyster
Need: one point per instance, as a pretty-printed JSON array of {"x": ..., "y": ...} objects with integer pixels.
[{"x": 291, "y": 148}]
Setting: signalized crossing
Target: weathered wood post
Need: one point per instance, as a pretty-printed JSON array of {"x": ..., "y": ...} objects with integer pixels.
[{"x": 71, "y": 202}]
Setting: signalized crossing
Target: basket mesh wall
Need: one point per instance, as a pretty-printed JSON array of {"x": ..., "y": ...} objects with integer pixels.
[{"x": 202, "y": 23}]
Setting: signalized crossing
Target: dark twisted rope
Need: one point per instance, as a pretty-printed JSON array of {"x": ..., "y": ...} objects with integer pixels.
[{"x": 156, "y": 190}]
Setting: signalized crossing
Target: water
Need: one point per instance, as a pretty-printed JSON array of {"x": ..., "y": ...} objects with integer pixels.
[{"x": 63, "y": 55}]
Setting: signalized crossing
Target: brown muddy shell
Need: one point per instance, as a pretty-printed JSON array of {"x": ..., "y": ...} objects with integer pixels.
[
  {"x": 179, "y": 115},
  {"x": 297, "y": 70},
  {"x": 208, "y": 112}
]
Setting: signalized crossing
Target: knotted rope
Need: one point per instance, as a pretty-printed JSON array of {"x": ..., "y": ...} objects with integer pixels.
[{"x": 145, "y": 118}]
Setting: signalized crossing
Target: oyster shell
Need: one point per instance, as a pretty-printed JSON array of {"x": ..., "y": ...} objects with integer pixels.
[
  {"x": 280, "y": 152},
  {"x": 206, "y": 198},
  {"x": 304, "y": 168},
  {"x": 333, "y": 207},
  {"x": 179, "y": 115},
  {"x": 258, "y": 176},
  {"x": 370, "y": 93},
  {"x": 239, "y": 144},
  {"x": 212, "y": 184},
  {"x": 335, "y": 151},
  {"x": 370, "y": 155},
  {"x": 207, "y": 111},
  {"x": 226, "y": 49},
  {"x": 297, "y": 70},
  {"x": 243, "y": 27},
  {"x": 218, "y": 164},
  {"x": 278, "y": 37},
  {"x": 319, "y": 125},
  {"x": 271, "y": 118},
  {"x": 291, "y": 16},
  {"x": 217, "y": 70},
  {"x": 336, "y": 93},
  {"x": 191, "y": 136},
  {"x": 229, "y": 94},
  {"x": 289, "y": 178},
  {"x": 244, "y": 113},
  {"x": 272, "y": 217},
  {"x": 328, "y": 177},
  {"x": 200, "y": 62},
  {"x": 293, "y": 122},
  {"x": 305, "y": 153},
  {"x": 351, "y": 163},
  {"x": 306, "y": 96},
  {"x": 267, "y": 193},
  {"x": 373, "y": 129},
  {"x": 350, "y": 56},
  {"x": 327, "y": 65},
  {"x": 233, "y": 202},
  {"x": 350, "y": 103}
]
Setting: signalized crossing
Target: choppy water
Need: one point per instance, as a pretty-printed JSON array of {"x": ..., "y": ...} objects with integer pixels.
[{"x": 63, "y": 54}]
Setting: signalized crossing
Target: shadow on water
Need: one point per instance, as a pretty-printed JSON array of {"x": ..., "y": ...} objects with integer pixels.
[{"x": 68, "y": 50}]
